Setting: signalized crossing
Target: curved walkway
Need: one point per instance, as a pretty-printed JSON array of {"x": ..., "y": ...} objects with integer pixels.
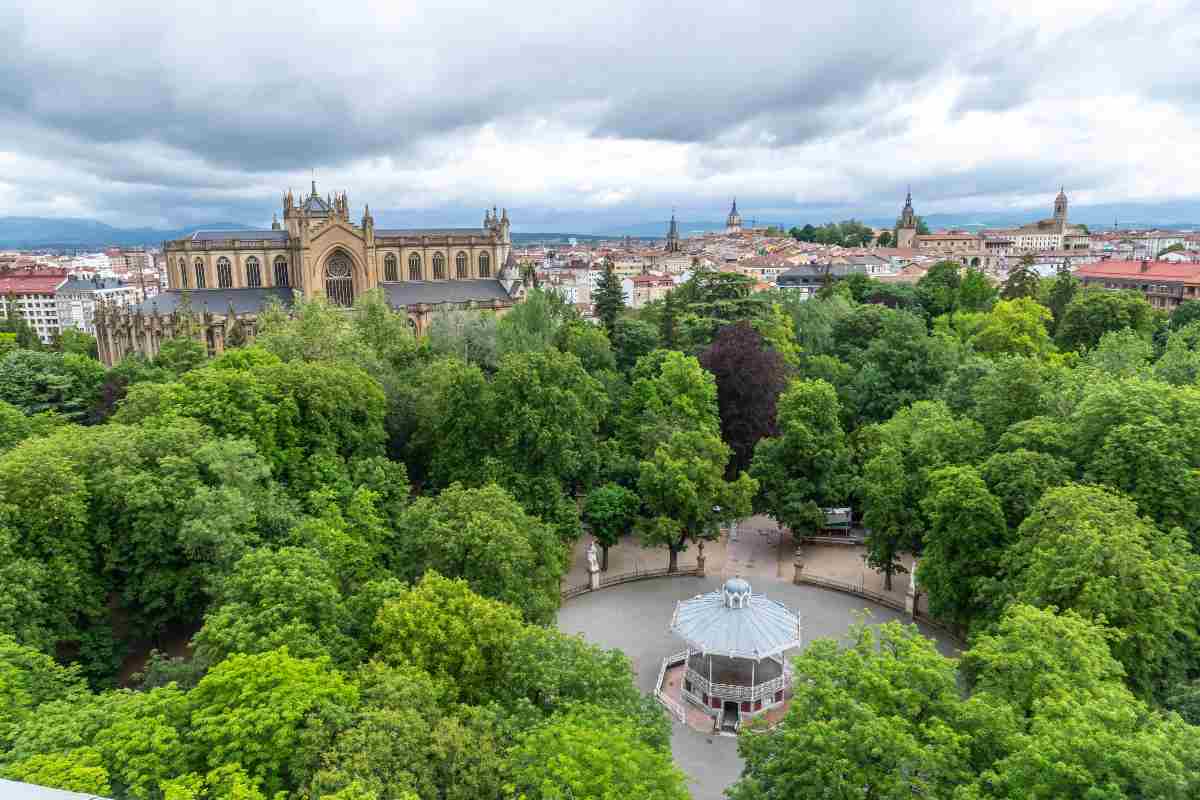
[{"x": 634, "y": 618}]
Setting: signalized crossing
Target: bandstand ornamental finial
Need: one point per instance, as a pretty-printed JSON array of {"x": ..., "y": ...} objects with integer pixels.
[{"x": 737, "y": 592}]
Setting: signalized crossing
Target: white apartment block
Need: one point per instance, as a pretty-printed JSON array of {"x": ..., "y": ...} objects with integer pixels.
[{"x": 77, "y": 300}]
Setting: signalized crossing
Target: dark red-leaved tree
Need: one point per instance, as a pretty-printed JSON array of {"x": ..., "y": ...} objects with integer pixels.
[{"x": 750, "y": 376}]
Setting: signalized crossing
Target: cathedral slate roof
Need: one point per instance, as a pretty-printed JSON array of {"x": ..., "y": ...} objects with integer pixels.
[
  {"x": 315, "y": 205},
  {"x": 247, "y": 235},
  {"x": 244, "y": 301},
  {"x": 408, "y": 293},
  {"x": 433, "y": 232}
]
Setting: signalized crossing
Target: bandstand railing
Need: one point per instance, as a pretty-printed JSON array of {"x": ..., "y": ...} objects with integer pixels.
[
  {"x": 669, "y": 703},
  {"x": 729, "y": 691}
]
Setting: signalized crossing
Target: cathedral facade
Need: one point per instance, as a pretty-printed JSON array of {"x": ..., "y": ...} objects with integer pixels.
[{"x": 220, "y": 280}]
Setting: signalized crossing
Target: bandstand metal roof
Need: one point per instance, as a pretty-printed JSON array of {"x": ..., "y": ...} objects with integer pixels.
[{"x": 734, "y": 622}]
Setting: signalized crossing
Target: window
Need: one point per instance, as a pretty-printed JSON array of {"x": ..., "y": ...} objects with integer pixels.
[
  {"x": 439, "y": 267},
  {"x": 224, "y": 273},
  {"x": 281, "y": 271},
  {"x": 485, "y": 265},
  {"x": 183, "y": 274},
  {"x": 460, "y": 265},
  {"x": 200, "y": 283},
  {"x": 253, "y": 272},
  {"x": 414, "y": 267},
  {"x": 390, "y": 272},
  {"x": 339, "y": 283}
]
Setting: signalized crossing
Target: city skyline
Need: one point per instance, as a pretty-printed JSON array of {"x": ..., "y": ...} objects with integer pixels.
[{"x": 140, "y": 116}]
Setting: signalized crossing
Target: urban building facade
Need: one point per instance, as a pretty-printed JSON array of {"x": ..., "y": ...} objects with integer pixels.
[
  {"x": 78, "y": 297},
  {"x": 30, "y": 294},
  {"x": 1164, "y": 284},
  {"x": 224, "y": 278}
]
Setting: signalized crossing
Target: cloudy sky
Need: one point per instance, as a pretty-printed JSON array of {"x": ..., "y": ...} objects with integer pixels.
[{"x": 587, "y": 115}]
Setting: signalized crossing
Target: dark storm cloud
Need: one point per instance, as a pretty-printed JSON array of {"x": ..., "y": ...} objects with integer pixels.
[
  {"x": 179, "y": 111},
  {"x": 241, "y": 97}
]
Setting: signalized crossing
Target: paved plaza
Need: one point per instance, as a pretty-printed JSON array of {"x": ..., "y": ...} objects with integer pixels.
[{"x": 634, "y": 617}]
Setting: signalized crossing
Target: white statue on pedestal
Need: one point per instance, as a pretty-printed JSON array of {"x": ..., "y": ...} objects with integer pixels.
[{"x": 593, "y": 557}]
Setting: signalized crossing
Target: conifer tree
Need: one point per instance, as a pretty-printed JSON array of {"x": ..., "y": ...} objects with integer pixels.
[{"x": 609, "y": 300}]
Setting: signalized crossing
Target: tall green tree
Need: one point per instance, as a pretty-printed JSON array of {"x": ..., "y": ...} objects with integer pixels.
[
  {"x": 1018, "y": 478},
  {"x": 1023, "y": 280},
  {"x": 807, "y": 466},
  {"x": 610, "y": 511},
  {"x": 442, "y": 627},
  {"x": 669, "y": 391},
  {"x": 963, "y": 546},
  {"x": 893, "y": 525},
  {"x": 938, "y": 288},
  {"x": 588, "y": 753},
  {"x": 1015, "y": 327},
  {"x": 608, "y": 299},
  {"x": 1062, "y": 292},
  {"x": 1086, "y": 549},
  {"x": 551, "y": 672},
  {"x": 531, "y": 326},
  {"x": 874, "y": 719},
  {"x": 277, "y": 598},
  {"x": 1092, "y": 313},
  {"x": 484, "y": 537},
  {"x": 254, "y": 710},
  {"x": 685, "y": 494},
  {"x": 976, "y": 292},
  {"x": 66, "y": 383}
]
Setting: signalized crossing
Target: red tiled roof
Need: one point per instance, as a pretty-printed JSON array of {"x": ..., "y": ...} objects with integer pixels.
[
  {"x": 37, "y": 283},
  {"x": 1162, "y": 270}
]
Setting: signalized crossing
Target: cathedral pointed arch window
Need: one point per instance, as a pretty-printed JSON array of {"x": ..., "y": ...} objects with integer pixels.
[
  {"x": 183, "y": 274},
  {"x": 253, "y": 272},
  {"x": 224, "y": 273},
  {"x": 390, "y": 271},
  {"x": 414, "y": 267},
  {"x": 339, "y": 280},
  {"x": 485, "y": 265},
  {"x": 439, "y": 267},
  {"x": 460, "y": 265},
  {"x": 200, "y": 282},
  {"x": 281, "y": 272}
]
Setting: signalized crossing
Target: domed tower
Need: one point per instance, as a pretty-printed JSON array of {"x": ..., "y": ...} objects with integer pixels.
[
  {"x": 906, "y": 228},
  {"x": 1060, "y": 207},
  {"x": 733, "y": 223}
]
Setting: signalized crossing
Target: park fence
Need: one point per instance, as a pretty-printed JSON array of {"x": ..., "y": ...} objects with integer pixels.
[
  {"x": 628, "y": 577},
  {"x": 857, "y": 589}
]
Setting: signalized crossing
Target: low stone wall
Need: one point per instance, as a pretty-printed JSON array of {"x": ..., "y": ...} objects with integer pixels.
[
  {"x": 627, "y": 577},
  {"x": 857, "y": 590}
]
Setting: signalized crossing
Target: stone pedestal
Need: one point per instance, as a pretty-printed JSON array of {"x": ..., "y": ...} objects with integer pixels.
[
  {"x": 797, "y": 567},
  {"x": 700, "y": 565},
  {"x": 594, "y": 579},
  {"x": 911, "y": 594}
]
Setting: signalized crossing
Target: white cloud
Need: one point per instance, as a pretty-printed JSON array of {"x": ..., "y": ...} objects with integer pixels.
[{"x": 584, "y": 114}]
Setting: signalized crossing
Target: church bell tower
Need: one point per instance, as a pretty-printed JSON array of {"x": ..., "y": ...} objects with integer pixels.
[{"x": 906, "y": 228}]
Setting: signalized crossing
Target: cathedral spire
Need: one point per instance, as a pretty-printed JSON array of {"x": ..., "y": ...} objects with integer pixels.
[{"x": 673, "y": 235}]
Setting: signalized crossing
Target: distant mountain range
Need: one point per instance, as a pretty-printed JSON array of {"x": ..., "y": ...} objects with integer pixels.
[
  {"x": 67, "y": 233},
  {"x": 46, "y": 233},
  {"x": 32, "y": 233}
]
